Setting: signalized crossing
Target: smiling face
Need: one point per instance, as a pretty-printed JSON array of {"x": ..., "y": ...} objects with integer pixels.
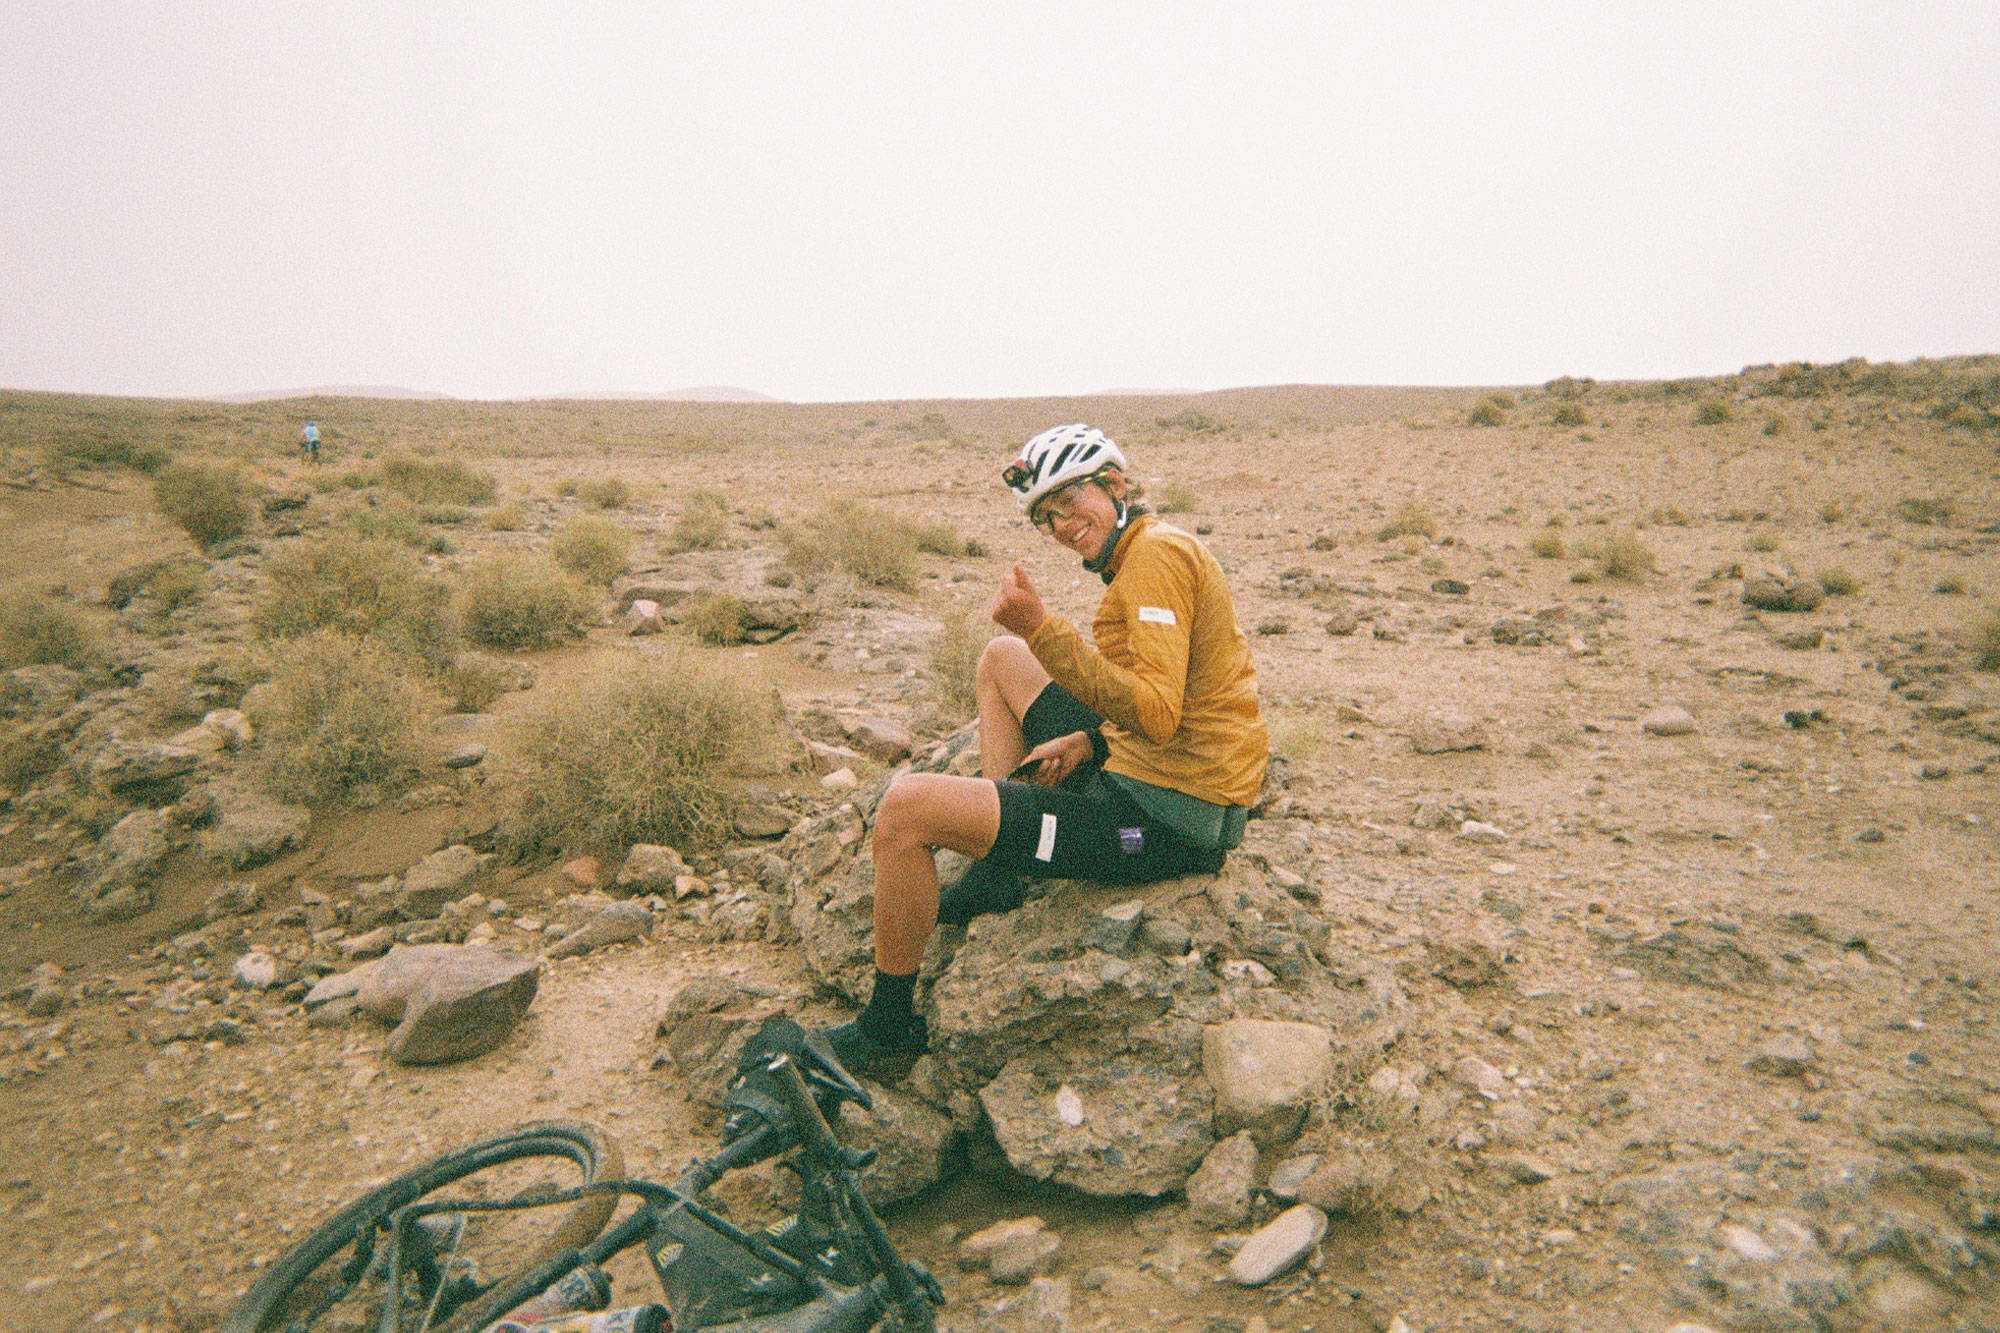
[{"x": 1083, "y": 514}]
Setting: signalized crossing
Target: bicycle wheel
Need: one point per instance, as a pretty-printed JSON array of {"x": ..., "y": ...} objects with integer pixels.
[{"x": 333, "y": 1280}]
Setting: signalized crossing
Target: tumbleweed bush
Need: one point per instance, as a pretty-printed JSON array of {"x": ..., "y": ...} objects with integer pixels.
[
  {"x": 36, "y": 629},
  {"x": 365, "y": 586},
  {"x": 637, "y": 753},
  {"x": 340, "y": 717},
  {"x": 524, "y": 600},
  {"x": 592, "y": 548}
]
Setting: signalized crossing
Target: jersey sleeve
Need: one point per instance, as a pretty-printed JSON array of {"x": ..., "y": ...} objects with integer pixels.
[{"x": 1145, "y": 624}]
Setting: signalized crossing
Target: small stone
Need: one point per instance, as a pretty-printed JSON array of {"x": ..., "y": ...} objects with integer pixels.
[
  {"x": 1520, "y": 1169},
  {"x": 1444, "y": 734},
  {"x": 1219, "y": 1191},
  {"x": 650, "y": 868},
  {"x": 976, "y": 1250},
  {"x": 582, "y": 871},
  {"x": 1019, "y": 1258},
  {"x": 1474, "y": 830},
  {"x": 1784, "y": 1056},
  {"x": 841, "y": 779},
  {"x": 255, "y": 970},
  {"x": 1480, "y": 1076},
  {"x": 1670, "y": 720},
  {"x": 1289, "y": 1175},
  {"x": 1279, "y": 1244},
  {"x": 465, "y": 756}
]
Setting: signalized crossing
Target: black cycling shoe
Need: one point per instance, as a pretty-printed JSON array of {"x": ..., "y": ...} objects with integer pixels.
[
  {"x": 859, "y": 1047},
  {"x": 983, "y": 889}
]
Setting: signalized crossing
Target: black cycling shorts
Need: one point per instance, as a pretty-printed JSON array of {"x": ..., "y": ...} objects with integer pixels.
[{"x": 1086, "y": 828}]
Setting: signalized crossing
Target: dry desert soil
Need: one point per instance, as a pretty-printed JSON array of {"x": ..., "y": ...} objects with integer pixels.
[{"x": 1725, "y": 995}]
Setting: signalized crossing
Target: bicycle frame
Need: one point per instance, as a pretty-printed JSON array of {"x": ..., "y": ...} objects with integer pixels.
[{"x": 830, "y": 1268}]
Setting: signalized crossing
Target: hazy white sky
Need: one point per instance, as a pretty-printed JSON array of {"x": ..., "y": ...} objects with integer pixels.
[{"x": 869, "y": 200}]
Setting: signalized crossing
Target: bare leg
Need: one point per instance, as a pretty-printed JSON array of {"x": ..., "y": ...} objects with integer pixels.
[
  {"x": 920, "y": 812},
  {"x": 1007, "y": 681}
]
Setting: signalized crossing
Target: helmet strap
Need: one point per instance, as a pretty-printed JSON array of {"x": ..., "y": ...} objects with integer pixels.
[{"x": 1100, "y": 564}]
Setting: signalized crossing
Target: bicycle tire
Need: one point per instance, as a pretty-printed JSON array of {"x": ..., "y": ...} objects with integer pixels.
[{"x": 593, "y": 1152}]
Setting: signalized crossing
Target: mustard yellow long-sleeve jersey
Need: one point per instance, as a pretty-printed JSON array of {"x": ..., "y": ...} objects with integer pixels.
[{"x": 1170, "y": 672}]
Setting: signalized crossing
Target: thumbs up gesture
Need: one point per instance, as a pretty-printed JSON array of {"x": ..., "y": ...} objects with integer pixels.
[{"x": 1017, "y": 607}]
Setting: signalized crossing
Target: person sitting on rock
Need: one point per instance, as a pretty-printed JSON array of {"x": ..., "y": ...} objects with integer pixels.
[{"x": 1130, "y": 761}]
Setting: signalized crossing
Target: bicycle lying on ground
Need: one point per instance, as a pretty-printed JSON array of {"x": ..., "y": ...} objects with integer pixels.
[{"x": 463, "y": 1243}]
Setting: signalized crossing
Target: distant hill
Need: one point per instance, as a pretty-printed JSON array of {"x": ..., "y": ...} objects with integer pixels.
[
  {"x": 329, "y": 391},
  {"x": 707, "y": 393}
]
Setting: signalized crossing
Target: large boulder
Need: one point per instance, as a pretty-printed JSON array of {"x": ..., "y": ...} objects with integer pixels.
[
  {"x": 443, "y": 877},
  {"x": 449, "y": 1001},
  {"x": 120, "y": 871},
  {"x": 137, "y": 770},
  {"x": 249, "y": 828},
  {"x": 1071, "y": 1030},
  {"x": 1265, "y": 1075}
]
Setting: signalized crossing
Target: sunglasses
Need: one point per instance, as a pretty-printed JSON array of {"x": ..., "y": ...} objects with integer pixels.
[{"x": 1057, "y": 505}]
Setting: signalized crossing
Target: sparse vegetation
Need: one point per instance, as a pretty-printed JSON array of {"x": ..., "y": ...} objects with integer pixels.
[
  {"x": 341, "y": 717},
  {"x": 1949, "y": 586},
  {"x": 1713, "y": 412},
  {"x": 1831, "y": 512},
  {"x": 1567, "y": 414},
  {"x": 1624, "y": 556},
  {"x": 360, "y": 586},
  {"x": 1838, "y": 582},
  {"x": 717, "y": 619},
  {"x": 1487, "y": 412},
  {"x": 605, "y": 492},
  {"x": 703, "y": 523},
  {"x": 1176, "y": 499},
  {"x": 37, "y": 629},
  {"x": 594, "y": 549},
  {"x": 524, "y": 600},
  {"x": 1192, "y": 421},
  {"x": 1924, "y": 509},
  {"x": 1985, "y": 642},
  {"x": 211, "y": 504},
  {"x": 954, "y": 661},
  {"x": 445, "y": 481},
  {"x": 1410, "y": 520},
  {"x": 471, "y": 682},
  {"x": 876, "y": 547},
  {"x": 1762, "y": 541},
  {"x": 639, "y": 753},
  {"x": 1668, "y": 516},
  {"x": 937, "y": 538},
  {"x": 506, "y": 518},
  {"x": 1548, "y": 544}
]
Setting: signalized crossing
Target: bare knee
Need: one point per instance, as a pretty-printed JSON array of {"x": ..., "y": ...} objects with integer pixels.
[
  {"x": 1002, "y": 658},
  {"x": 900, "y": 817}
]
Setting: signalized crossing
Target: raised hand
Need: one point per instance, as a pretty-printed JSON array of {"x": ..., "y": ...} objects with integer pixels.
[{"x": 1017, "y": 607}]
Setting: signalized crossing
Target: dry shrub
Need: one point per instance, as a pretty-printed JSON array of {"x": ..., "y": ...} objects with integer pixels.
[
  {"x": 211, "y": 504},
  {"x": 471, "y": 682},
  {"x": 506, "y": 518},
  {"x": 1713, "y": 412},
  {"x": 636, "y": 753},
  {"x": 1838, "y": 582},
  {"x": 176, "y": 583},
  {"x": 593, "y": 549},
  {"x": 1922, "y": 509},
  {"x": 1548, "y": 544},
  {"x": 876, "y": 547},
  {"x": 954, "y": 662},
  {"x": 1488, "y": 412},
  {"x": 523, "y": 600},
  {"x": 1624, "y": 556},
  {"x": 394, "y": 522},
  {"x": 605, "y": 492},
  {"x": 37, "y": 629},
  {"x": 1410, "y": 520},
  {"x": 718, "y": 619},
  {"x": 1762, "y": 541},
  {"x": 340, "y": 717},
  {"x": 128, "y": 584},
  {"x": 1176, "y": 499},
  {"x": 1567, "y": 414},
  {"x": 361, "y": 586},
  {"x": 1985, "y": 642},
  {"x": 937, "y": 538},
  {"x": 439, "y": 482},
  {"x": 703, "y": 522}
]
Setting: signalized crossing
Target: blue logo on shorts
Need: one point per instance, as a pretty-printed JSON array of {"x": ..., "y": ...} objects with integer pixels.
[{"x": 1132, "y": 840}]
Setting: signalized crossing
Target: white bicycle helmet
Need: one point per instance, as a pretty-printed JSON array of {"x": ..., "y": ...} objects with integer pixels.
[{"x": 1057, "y": 457}]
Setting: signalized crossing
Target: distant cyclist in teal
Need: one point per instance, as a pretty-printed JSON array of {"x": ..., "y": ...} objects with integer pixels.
[{"x": 309, "y": 442}]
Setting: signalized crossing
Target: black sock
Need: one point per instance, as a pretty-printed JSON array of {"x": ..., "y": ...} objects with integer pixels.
[{"x": 891, "y": 1008}]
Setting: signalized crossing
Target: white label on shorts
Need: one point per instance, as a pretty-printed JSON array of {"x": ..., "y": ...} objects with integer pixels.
[
  {"x": 1047, "y": 846},
  {"x": 1157, "y": 615}
]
